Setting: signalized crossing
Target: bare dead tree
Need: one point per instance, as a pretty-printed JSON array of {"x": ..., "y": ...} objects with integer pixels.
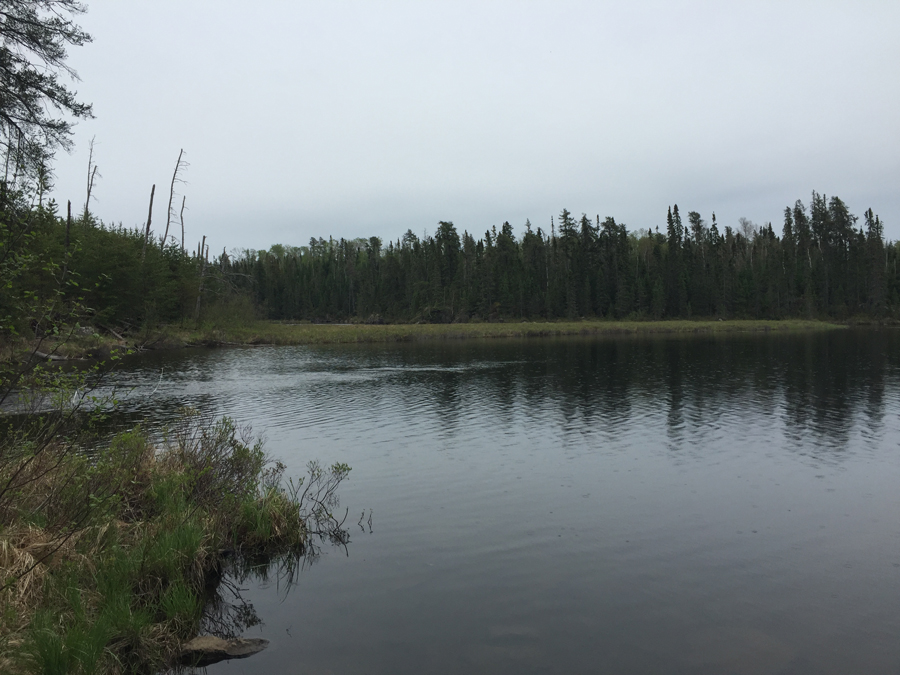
[
  {"x": 180, "y": 165},
  {"x": 202, "y": 272},
  {"x": 91, "y": 177},
  {"x": 149, "y": 217},
  {"x": 68, "y": 225},
  {"x": 181, "y": 219}
]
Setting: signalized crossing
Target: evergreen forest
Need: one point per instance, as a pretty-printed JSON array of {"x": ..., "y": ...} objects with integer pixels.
[{"x": 825, "y": 263}]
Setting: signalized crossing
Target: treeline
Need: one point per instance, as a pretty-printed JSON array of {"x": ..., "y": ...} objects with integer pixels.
[
  {"x": 824, "y": 263},
  {"x": 55, "y": 269}
]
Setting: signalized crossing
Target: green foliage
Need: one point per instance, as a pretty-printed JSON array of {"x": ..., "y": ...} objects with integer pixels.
[
  {"x": 126, "y": 579},
  {"x": 823, "y": 265},
  {"x": 180, "y": 603},
  {"x": 34, "y": 36},
  {"x": 60, "y": 649},
  {"x": 56, "y": 274}
]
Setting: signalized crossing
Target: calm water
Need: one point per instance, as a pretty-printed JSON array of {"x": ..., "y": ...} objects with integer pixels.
[{"x": 618, "y": 505}]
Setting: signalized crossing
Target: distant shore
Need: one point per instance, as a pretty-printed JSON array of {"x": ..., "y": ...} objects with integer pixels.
[
  {"x": 286, "y": 333},
  {"x": 101, "y": 343}
]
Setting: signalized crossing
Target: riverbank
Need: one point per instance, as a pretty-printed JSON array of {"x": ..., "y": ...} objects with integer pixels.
[
  {"x": 101, "y": 343},
  {"x": 108, "y": 559},
  {"x": 306, "y": 333}
]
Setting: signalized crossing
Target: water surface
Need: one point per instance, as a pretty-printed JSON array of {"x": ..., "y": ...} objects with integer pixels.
[{"x": 657, "y": 504}]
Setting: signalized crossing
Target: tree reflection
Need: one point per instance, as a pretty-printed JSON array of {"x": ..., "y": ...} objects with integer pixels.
[{"x": 227, "y": 614}]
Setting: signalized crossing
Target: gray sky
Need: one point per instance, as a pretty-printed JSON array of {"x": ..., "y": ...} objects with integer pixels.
[{"x": 350, "y": 119}]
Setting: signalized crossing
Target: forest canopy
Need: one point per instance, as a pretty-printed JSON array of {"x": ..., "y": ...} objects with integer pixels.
[{"x": 825, "y": 262}]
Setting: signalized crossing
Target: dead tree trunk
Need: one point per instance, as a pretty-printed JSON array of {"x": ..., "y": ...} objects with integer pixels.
[
  {"x": 68, "y": 233},
  {"x": 181, "y": 218},
  {"x": 179, "y": 165},
  {"x": 149, "y": 217},
  {"x": 68, "y": 225},
  {"x": 202, "y": 272},
  {"x": 92, "y": 174}
]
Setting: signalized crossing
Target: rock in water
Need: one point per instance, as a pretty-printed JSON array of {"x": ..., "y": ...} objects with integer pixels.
[{"x": 207, "y": 649}]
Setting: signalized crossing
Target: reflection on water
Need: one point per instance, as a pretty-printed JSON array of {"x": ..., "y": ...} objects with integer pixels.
[
  {"x": 696, "y": 504},
  {"x": 817, "y": 389},
  {"x": 227, "y": 613}
]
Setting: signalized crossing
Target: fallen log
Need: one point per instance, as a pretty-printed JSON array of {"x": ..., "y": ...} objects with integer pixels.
[{"x": 208, "y": 649}]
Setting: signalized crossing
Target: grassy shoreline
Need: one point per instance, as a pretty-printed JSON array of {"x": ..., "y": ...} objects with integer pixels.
[
  {"x": 272, "y": 333},
  {"x": 101, "y": 343},
  {"x": 105, "y": 560},
  {"x": 108, "y": 559}
]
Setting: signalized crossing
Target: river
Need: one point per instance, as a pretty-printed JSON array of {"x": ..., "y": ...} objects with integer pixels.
[{"x": 636, "y": 504}]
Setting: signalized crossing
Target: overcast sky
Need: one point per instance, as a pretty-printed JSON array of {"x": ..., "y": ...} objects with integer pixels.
[{"x": 351, "y": 119}]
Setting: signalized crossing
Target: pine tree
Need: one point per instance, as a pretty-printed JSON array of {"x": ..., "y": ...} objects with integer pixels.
[{"x": 34, "y": 103}]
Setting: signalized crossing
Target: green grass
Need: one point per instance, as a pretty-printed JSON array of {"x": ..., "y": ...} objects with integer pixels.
[
  {"x": 127, "y": 586},
  {"x": 120, "y": 605},
  {"x": 266, "y": 332}
]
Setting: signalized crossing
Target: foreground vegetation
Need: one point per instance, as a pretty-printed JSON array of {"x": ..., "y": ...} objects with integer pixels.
[{"x": 108, "y": 558}]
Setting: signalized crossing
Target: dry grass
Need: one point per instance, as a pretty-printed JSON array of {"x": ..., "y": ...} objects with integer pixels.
[
  {"x": 119, "y": 585},
  {"x": 264, "y": 332},
  {"x": 104, "y": 345}
]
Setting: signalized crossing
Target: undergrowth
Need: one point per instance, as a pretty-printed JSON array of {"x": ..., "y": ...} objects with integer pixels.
[{"x": 107, "y": 557}]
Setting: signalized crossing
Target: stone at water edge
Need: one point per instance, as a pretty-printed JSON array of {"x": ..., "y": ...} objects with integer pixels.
[{"x": 206, "y": 649}]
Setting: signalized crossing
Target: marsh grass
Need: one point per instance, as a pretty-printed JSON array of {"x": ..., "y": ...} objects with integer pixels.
[
  {"x": 119, "y": 589},
  {"x": 267, "y": 332},
  {"x": 245, "y": 330}
]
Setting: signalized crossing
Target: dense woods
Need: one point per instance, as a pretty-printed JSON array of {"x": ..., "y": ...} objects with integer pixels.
[
  {"x": 55, "y": 268},
  {"x": 826, "y": 262}
]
